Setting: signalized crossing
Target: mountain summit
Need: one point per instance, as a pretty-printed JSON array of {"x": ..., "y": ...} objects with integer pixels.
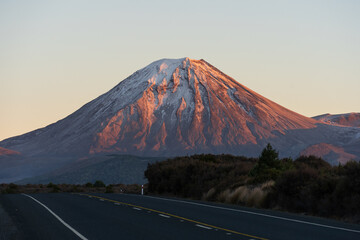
[{"x": 177, "y": 107}]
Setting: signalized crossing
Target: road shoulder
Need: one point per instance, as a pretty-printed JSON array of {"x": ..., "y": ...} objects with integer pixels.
[{"x": 8, "y": 229}]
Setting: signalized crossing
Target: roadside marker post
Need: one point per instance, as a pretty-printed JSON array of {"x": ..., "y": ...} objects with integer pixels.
[{"x": 142, "y": 189}]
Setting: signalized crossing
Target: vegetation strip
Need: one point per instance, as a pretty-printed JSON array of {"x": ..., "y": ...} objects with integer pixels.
[
  {"x": 307, "y": 184},
  {"x": 175, "y": 216}
]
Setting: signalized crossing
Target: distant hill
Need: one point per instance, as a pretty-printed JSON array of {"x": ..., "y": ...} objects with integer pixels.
[
  {"x": 347, "y": 119},
  {"x": 333, "y": 154}
]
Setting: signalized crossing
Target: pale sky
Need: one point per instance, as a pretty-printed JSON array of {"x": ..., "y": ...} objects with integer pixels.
[{"x": 55, "y": 56}]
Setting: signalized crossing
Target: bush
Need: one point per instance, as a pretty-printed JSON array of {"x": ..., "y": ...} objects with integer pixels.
[
  {"x": 55, "y": 188},
  {"x": 291, "y": 188},
  {"x": 109, "y": 189},
  {"x": 11, "y": 188},
  {"x": 99, "y": 183},
  {"x": 312, "y": 162}
]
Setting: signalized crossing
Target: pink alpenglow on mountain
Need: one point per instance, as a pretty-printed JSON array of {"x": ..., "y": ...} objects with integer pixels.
[
  {"x": 189, "y": 104},
  {"x": 7, "y": 152}
]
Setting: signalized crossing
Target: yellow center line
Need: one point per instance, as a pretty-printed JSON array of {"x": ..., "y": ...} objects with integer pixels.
[{"x": 175, "y": 216}]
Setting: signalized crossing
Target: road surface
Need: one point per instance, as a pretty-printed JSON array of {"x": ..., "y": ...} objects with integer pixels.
[{"x": 123, "y": 216}]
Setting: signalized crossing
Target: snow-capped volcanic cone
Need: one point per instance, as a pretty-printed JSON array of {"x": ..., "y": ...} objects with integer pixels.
[
  {"x": 174, "y": 107},
  {"x": 170, "y": 107},
  {"x": 183, "y": 104}
]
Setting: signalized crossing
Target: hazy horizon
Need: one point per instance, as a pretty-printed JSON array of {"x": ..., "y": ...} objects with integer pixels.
[{"x": 56, "y": 57}]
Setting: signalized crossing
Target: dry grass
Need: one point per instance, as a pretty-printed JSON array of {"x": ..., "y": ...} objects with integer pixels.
[
  {"x": 252, "y": 196},
  {"x": 209, "y": 195}
]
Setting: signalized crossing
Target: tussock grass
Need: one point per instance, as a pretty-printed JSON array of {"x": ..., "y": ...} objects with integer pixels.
[{"x": 251, "y": 196}]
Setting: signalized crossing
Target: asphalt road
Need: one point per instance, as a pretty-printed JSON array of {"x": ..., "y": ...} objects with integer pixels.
[{"x": 122, "y": 216}]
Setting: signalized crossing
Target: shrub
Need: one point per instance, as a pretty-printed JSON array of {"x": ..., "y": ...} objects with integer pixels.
[
  {"x": 55, "y": 188},
  {"x": 99, "y": 183},
  {"x": 11, "y": 188},
  {"x": 291, "y": 188},
  {"x": 312, "y": 162},
  {"x": 109, "y": 189}
]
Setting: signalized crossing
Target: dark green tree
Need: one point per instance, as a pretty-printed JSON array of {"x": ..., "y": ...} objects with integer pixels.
[
  {"x": 269, "y": 167},
  {"x": 99, "y": 183}
]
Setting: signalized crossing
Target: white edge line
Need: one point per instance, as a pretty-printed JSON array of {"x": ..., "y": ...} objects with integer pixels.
[
  {"x": 58, "y": 218},
  {"x": 202, "y": 226},
  {"x": 259, "y": 214},
  {"x": 165, "y": 216}
]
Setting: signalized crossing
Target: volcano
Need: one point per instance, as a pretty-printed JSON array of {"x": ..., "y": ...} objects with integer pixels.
[
  {"x": 167, "y": 108},
  {"x": 177, "y": 107}
]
